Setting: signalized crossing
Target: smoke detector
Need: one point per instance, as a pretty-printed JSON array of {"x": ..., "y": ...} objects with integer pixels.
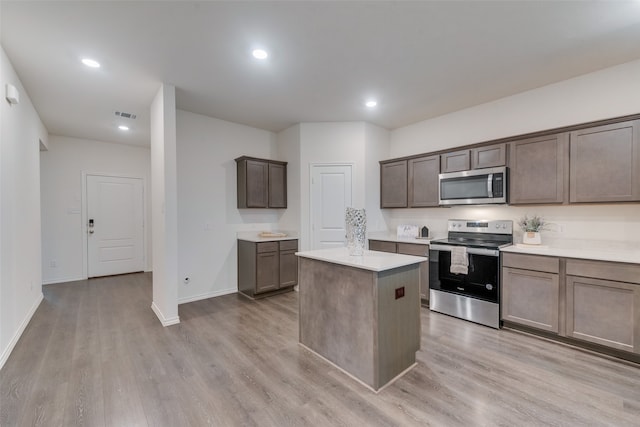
[{"x": 125, "y": 115}]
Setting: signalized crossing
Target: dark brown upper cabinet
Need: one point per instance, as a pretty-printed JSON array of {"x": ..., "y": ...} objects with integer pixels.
[
  {"x": 605, "y": 163},
  {"x": 423, "y": 181},
  {"x": 261, "y": 183},
  {"x": 277, "y": 185},
  {"x": 455, "y": 161},
  {"x": 538, "y": 170},
  {"x": 491, "y": 156},
  {"x": 597, "y": 162},
  {"x": 393, "y": 184}
]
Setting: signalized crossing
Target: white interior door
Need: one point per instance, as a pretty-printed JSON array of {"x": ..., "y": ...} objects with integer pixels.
[
  {"x": 330, "y": 195},
  {"x": 115, "y": 225}
]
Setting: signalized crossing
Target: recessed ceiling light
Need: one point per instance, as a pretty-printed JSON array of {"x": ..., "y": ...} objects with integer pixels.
[
  {"x": 260, "y": 54},
  {"x": 371, "y": 104},
  {"x": 123, "y": 127},
  {"x": 91, "y": 63}
]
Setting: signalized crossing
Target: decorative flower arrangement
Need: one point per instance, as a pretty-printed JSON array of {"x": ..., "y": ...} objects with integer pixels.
[
  {"x": 533, "y": 224},
  {"x": 531, "y": 227}
]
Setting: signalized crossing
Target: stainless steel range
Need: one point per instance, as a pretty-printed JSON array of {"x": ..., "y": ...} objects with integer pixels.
[{"x": 464, "y": 270}]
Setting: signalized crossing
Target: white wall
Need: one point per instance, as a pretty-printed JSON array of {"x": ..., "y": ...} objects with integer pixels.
[
  {"x": 604, "y": 94},
  {"x": 208, "y": 217},
  {"x": 21, "y": 131},
  {"x": 607, "y": 93},
  {"x": 164, "y": 205},
  {"x": 376, "y": 148},
  {"x": 288, "y": 149},
  {"x": 330, "y": 143},
  {"x": 358, "y": 143},
  {"x": 61, "y": 168}
]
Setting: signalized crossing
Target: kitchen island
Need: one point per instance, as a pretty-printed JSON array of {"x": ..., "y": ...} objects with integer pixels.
[{"x": 361, "y": 313}]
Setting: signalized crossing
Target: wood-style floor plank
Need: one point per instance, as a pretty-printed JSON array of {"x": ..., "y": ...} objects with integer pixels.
[{"x": 95, "y": 355}]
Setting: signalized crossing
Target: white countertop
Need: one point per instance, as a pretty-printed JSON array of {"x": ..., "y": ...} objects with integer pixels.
[
  {"x": 254, "y": 236},
  {"x": 370, "y": 260},
  {"x": 600, "y": 250},
  {"x": 393, "y": 237}
]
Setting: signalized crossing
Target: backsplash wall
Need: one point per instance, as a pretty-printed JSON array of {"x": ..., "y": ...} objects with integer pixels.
[{"x": 620, "y": 222}]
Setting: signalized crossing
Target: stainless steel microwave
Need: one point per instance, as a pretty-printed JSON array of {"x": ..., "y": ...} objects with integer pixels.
[{"x": 474, "y": 187}]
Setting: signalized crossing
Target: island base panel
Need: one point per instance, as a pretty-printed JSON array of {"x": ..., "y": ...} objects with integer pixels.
[{"x": 352, "y": 318}]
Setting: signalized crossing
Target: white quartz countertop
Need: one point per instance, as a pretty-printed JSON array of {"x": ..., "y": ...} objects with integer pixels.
[
  {"x": 393, "y": 237},
  {"x": 254, "y": 236},
  {"x": 600, "y": 250},
  {"x": 370, "y": 260}
]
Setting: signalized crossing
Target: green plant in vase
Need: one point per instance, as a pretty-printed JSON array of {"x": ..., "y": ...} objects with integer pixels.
[{"x": 531, "y": 226}]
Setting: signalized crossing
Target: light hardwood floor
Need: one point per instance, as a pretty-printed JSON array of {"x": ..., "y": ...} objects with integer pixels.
[{"x": 95, "y": 354}]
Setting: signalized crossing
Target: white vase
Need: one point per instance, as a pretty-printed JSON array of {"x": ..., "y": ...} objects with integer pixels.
[{"x": 531, "y": 238}]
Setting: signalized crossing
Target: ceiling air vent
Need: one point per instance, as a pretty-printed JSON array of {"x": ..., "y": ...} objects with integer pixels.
[{"x": 125, "y": 115}]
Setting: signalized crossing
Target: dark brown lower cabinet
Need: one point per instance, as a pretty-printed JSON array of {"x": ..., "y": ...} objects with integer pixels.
[
  {"x": 603, "y": 303},
  {"x": 267, "y": 268},
  {"x": 596, "y": 303},
  {"x": 531, "y": 298},
  {"x": 288, "y": 267},
  {"x": 407, "y": 249},
  {"x": 267, "y": 272},
  {"x": 531, "y": 291}
]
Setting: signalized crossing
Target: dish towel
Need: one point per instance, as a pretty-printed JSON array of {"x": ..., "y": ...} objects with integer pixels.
[{"x": 459, "y": 260}]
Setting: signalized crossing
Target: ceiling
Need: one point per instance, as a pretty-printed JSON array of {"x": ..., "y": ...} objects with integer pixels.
[{"x": 418, "y": 59}]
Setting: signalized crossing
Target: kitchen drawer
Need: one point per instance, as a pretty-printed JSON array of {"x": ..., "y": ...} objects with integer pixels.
[
  {"x": 286, "y": 245},
  {"x": 382, "y": 246},
  {"x": 413, "y": 249},
  {"x": 531, "y": 262},
  {"x": 616, "y": 271},
  {"x": 267, "y": 247}
]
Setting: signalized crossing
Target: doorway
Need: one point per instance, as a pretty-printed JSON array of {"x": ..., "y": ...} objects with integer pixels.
[
  {"x": 331, "y": 187},
  {"x": 114, "y": 225}
]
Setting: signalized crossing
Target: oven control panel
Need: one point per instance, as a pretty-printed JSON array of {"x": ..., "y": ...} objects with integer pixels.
[{"x": 502, "y": 226}]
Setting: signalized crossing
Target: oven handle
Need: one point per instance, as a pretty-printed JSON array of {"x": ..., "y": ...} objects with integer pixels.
[{"x": 473, "y": 251}]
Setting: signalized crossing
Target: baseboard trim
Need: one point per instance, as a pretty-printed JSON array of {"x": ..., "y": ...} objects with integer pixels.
[
  {"x": 207, "y": 295},
  {"x": 165, "y": 321},
  {"x": 7, "y": 351},
  {"x": 63, "y": 280}
]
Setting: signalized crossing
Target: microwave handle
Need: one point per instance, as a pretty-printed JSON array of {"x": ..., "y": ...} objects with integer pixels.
[{"x": 490, "y": 185}]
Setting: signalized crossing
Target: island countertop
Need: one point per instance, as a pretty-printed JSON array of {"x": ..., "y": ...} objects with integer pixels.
[{"x": 370, "y": 260}]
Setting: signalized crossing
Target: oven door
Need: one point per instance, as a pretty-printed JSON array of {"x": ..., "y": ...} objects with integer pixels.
[{"x": 481, "y": 282}]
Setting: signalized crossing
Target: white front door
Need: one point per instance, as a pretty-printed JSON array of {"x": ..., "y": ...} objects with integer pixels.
[
  {"x": 330, "y": 195},
  {"x": 115, "y": 225}
]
